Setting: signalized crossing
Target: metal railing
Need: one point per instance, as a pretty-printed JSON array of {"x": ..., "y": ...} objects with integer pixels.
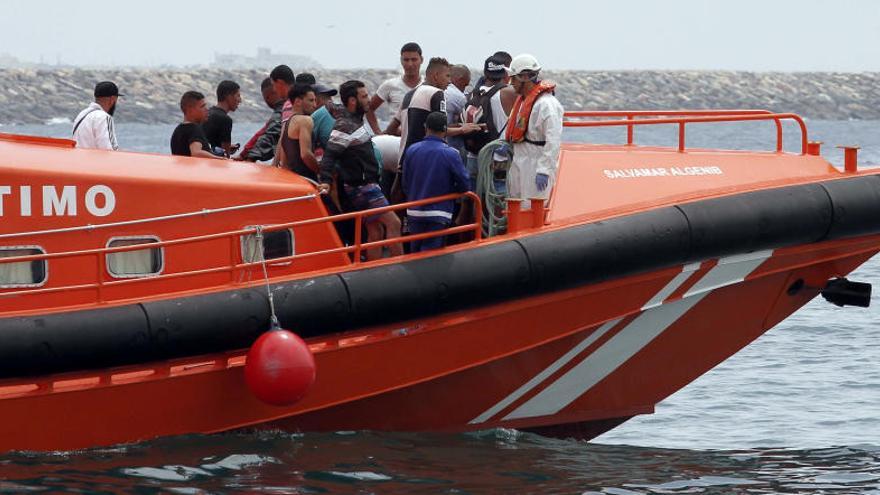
[
  {"x": 632, "y": 118},
  {"x": 358, "y": 247}
]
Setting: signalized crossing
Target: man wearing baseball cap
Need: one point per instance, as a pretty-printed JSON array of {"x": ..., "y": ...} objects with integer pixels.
[
  {"x": 322, "y": 116},
  {"x": 534, "y": 130},
  {"x": 432, "y": 168},
  {"x": 93, "y": 127}
]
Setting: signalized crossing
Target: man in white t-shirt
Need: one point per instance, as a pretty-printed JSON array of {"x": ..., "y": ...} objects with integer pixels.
[
  {"x": 393, "y": 90},
  {"x": 93, "y": 127}
]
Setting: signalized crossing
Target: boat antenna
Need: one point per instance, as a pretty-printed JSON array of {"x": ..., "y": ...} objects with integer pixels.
[{"x": 273, "y": 324}]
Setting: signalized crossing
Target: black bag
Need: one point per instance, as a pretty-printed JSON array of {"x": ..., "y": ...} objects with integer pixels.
[{"x": 478, "y": 110}]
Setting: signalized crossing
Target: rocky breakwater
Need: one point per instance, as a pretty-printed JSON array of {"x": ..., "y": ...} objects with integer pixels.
[
  {"x": 151, "y": 95},
  {"x": 816, "y": 95},
  {"x": 39, "y": 96}
]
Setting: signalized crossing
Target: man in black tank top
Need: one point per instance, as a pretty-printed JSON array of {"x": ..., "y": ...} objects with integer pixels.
[{"x": 295, "y": 146}]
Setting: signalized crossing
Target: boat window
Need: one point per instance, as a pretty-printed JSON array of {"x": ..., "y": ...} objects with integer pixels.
[
  {"x": 137, "y": 263},
  {"x": 22, "y": 273},
  {"x": 276, "y": 244}
]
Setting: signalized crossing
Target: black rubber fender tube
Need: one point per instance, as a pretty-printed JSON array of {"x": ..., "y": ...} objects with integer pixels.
[
  {"x": 602, "y": 250},
  {"x": 428, "y": 286},
  {"x": 758, "y": 220},
  {"x": 233, "y": 319},
  {"x": 314, "y": 306},
  {"x": 207, "y": 323},
  {"x": 856, "y": 204},
  {"x": 95, "y": 338}
]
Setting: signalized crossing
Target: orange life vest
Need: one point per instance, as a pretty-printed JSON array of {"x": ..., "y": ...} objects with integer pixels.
[{"x": 518, "y": 122}]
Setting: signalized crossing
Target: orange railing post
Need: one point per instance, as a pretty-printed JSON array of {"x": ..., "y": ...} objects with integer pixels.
[
  {"x": 778, "y": 135},
  {"x": 231, "y": 259},
  {"x": 629, "y": 130},
  {"x": 358, "y": 226},
  {"x": 478, "y": 215},
  {"x": 99, "y": 275},
  {"x": 850, "y": 158},
  {"x": 681, "y": 136},
  {"x": 538, "y": 212},
  {"x": 513, "y": 215}
]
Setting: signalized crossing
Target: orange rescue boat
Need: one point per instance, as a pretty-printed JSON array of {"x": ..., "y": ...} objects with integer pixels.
[{"x": 132, "y": 286}]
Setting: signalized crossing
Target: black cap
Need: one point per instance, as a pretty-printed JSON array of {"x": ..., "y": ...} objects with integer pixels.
[
  {"x": 494, "y": 67},
  {"x": 436, "y": 122},
  {"x": 106, "y": 88},
  {"x": 322, "y": 89},
  {"x": 305, "y": 78}
]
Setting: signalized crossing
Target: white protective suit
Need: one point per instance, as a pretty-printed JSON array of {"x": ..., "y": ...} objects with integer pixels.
[{"x": 545, "y": 124}]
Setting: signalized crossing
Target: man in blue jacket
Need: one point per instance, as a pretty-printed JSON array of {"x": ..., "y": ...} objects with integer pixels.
[{"x": 432, "y": 168}]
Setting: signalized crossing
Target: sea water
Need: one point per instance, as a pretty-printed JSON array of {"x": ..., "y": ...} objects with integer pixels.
[{"x": 797, "y": 411}]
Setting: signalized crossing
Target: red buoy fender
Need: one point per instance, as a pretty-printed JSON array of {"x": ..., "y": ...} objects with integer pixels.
[{"x": 280, "y": 368}]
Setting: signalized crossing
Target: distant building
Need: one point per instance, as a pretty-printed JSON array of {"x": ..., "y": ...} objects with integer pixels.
[
  {"x": 7, "y": 61},
  {"x": 265, "y": 59}
]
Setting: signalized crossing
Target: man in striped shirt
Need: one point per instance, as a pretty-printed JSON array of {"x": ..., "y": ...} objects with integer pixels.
[{"x": 93, "y": 127}]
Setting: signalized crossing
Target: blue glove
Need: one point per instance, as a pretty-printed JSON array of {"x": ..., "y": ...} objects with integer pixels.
[{"x": 541, "y": 180}]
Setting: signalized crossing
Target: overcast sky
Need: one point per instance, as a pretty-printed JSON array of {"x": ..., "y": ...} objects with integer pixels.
[{"x": 759, "y": 35}]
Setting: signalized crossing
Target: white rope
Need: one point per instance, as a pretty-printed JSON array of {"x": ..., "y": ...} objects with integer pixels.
[
  {"x": 274, "y": 324},
  {"x": 205, "y": 211},
  {"x": 493, "y": 201}
]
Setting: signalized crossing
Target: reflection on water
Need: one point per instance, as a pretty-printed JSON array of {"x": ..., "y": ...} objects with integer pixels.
[{"x": 498, "y": 461}]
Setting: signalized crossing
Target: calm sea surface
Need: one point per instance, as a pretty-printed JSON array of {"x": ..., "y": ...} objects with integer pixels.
[{"x": 798, "y": 411}]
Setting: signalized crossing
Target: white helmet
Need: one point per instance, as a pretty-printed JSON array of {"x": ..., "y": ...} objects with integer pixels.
[{"x": 523, "y": 62}]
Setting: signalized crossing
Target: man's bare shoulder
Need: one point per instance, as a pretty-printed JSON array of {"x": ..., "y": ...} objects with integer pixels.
[{"x": 298, "y": 121}]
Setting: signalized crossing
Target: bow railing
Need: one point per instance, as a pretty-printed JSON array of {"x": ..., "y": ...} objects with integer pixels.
[{"x": 632, "y": 118}]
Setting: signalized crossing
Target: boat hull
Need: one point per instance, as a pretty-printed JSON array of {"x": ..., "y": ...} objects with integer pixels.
[
  {"x": 647, "y": 267},
  {"x": 573, "y": 362}
]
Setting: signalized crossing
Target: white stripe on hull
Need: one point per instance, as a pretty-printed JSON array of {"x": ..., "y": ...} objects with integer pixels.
[
  {"x": 656, "y": 318},
  {"x": 673, "y": 284},
  {"x": 540, "y": 377},
  {"x": 605, "y": 360},
  {"x": 729, "y": 271}
]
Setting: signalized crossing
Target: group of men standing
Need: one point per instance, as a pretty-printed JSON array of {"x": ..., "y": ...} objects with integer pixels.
[{"x": 441, "y": 128}]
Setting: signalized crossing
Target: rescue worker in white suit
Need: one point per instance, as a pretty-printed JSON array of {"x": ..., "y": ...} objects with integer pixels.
[{"x": 535, "y": 131}]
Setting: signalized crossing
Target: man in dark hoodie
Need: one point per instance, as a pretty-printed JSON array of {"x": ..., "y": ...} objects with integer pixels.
[{"x": 350, "y": 151}]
